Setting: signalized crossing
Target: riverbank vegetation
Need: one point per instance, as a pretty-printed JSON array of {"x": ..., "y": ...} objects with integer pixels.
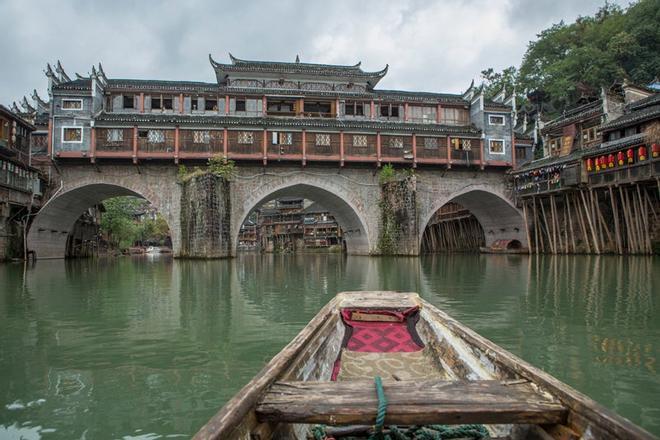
[{"x": 129, "y": 221}]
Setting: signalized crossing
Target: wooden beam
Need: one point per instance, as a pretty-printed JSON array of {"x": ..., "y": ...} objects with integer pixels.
[
  {"x": 304, "y": 147},
  {"x": 341, "y": 146},
  {"x": 135, "y": 143},
  {"x": 176, "y": 144},
  {"x": 409, "y": 403}
]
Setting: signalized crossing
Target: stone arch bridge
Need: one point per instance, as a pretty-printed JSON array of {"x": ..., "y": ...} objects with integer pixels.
[{"x": 205, "y": 214}]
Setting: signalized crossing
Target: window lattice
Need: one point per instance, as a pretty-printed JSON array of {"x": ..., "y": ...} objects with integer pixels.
[
  {"x": 323, "y": 140},
  {"x": 285, "y": 138},
  {"x": 396, "y": 142},
  {"x": 156, "y": 136},
  {"x": 431, "y": 143},
  {"x": 360, "y": 140},
  {"x": 466, "y": 144},
  {"x": 115, "y": 135},
  {"x": 201, "y": 137},
  {"x": 245, "y": 137}
]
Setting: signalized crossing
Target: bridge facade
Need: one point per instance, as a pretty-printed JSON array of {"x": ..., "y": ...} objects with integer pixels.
[{"x": 310, "y": 130}]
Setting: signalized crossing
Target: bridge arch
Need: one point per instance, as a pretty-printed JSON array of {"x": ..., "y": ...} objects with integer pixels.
[
  {"x": 52, "y": 225},
  {"x": 498, "y": 216},
  {"x": 349, "y": 216}
]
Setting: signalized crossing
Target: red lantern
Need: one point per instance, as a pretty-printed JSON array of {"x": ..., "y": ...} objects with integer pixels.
[
  {"x": 603, "y": 162},
  {"x": 610, "y": 160},
  {"x": 655, "y": 150},
  {"x": 590, "y": 164},
  {"x": 597, "y": 160},
  {"x": 620, "y": 157},
  {"x": 641, "y": 152},
  {"x": 630, "y": 155}
]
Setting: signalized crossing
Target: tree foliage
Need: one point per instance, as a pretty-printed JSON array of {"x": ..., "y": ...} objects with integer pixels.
[
  {"x": 571, "y": 61},
  {"x": 121, "y": 224}
]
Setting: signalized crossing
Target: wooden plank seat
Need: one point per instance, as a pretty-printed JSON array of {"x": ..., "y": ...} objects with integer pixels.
[{"x": 409, "y": 403}]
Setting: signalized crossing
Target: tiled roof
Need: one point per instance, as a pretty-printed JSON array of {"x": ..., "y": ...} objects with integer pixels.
[
  {"x": 178, "y": 86},
  {"x": 645, "y": 102},
  {"x": 546, "y": 161},
  {"x": 76, "y": 84},
  {"x": 276, "y": 67},
  {"x": 576, "y": 114},
  {"x": 420, "y": 96},
  {"x": 634, "y": 117},
  {"x": 110, "y": 119},
  {"x": 492, "y": 105}
]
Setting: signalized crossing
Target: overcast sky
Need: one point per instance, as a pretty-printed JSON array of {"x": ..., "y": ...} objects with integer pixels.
[{"x": 430, "y": 45}]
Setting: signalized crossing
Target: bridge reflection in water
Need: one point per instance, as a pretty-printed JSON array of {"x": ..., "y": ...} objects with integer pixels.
[{"x": 138, "y": 346}]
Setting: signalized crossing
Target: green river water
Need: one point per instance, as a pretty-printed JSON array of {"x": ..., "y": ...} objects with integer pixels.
[{"x": 147, "y": 348}]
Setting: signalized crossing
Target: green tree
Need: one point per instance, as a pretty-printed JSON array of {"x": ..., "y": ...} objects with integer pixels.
[
  {"x": 495, "y": 81},
  {"x": 118, "y": 220}
]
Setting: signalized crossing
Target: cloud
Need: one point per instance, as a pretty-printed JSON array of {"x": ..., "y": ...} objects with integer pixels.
[{"x": 430, "y": 46}]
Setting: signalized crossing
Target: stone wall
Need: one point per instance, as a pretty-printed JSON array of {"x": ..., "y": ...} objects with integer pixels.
[
  {"x": 205, "y": 218},
  {"x": 399, "y": 233}
]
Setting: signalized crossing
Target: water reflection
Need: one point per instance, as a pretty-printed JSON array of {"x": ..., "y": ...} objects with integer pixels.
[{"x": 142, "y": 347}]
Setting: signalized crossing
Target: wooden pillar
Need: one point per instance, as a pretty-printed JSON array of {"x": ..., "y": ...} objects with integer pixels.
[
  {"x": 176, "y": 144},
  {"x": 92, "y": 145},
  {"x": 529, "y": 240},
  {"x": 181, "y": 109},
  {"x": 438, "y": 114},
  {"x": 405, "y": 112},
  {"x": 373, "y": 109},
  {"x": 141, "y": 102},
  {"x": 50, "y": 138},
  {"x": 414, "y": 149},
  {"x": 341, "y": 148},
  {"x": 265, "y": 146},
  {"x": 378, "y": 147},
  {"x": 135, "y": 143},
  {"x": 304, "y": 147},
  {"x": 264, "y": 105},
  {"x": 225, "y": 143},
  {"x": 448, "y": 152},
  {"x": 482, "y": 160},
  {"x": 226, "y": 104}
]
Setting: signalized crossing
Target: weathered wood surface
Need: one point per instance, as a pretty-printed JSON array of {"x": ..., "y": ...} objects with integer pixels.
[
  {"x": 378, "y": 300},
  {"x": 584, "y": 413},
  {"x": 409, "y": 403}
]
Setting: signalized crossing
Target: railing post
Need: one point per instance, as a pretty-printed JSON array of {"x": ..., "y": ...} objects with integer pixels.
[
  {"x": 92, "y": 145},
  {"x": 177, "y": 144},
  {"x": 341, "y": 148},
  {"x": 304, "y": 147},
  {"x": 448, "y": 152},
  {"x": 135, "y": 143}
]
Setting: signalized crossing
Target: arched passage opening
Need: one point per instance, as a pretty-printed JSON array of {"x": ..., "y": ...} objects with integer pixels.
[
  {"x": 302, "y": 216},
  {"x": 472, "y": 220},
  {"x": 65, "y": 224}
]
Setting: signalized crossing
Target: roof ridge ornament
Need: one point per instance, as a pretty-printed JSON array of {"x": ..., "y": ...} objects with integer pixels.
[
  {"x": 60, "y": 70},
  {"x": 297, "y": 58}
]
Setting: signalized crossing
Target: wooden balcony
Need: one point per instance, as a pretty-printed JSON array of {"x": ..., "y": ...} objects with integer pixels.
[
  {"x": 318, "y": 148},
  {"x": 114, "y": 142},
  {"x": 200, "y": 143},
  {"x": 640, "y": 171},
  {"x": 431, "y": 151},
  {"x": 284, "y": 150},
  {"x": 356, "y": 150},
  {"x": 396, "y": 148},
  {"x": 245, "y": 144}
]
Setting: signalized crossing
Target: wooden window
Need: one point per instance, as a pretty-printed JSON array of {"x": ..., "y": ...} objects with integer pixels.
[
  {"x": 389, "y": 110},
  {"x": 496, "y": 120},
  {"x": 461, "y": 144},
  {"x": 353, "y": 108},
  {"x": 211, "y": 105},
  {"x": 496, "y": 146},
  {"x": 395, "y": 142},
  {"x": 240, "y": 105},
  {"x": 360, "y": 140},
  {"x": 521, "y": 153},
  {"x": 280, "y": 138},
  {"x": 589, "y": 134},
  {"x": 72, "y": 134},
  {"x": 455, "y": 116},
  {"x": 555, "y": 146},
  {"x": 323, "y": 140},
  {"x": 155, "y": 136},
  {"x": 281, "y": 107},
  {"x": 201, "y": 137},
  {"x": 115, "y": 135},
  {"x": 72, "y": 104},
  {"x": 245, "y": 137},
  {"x": 430, "y": 143},
  {"x": 128, "y": 101},
  {"x": 194, "y": 104},
  {"x": 320, "y": 108}
]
